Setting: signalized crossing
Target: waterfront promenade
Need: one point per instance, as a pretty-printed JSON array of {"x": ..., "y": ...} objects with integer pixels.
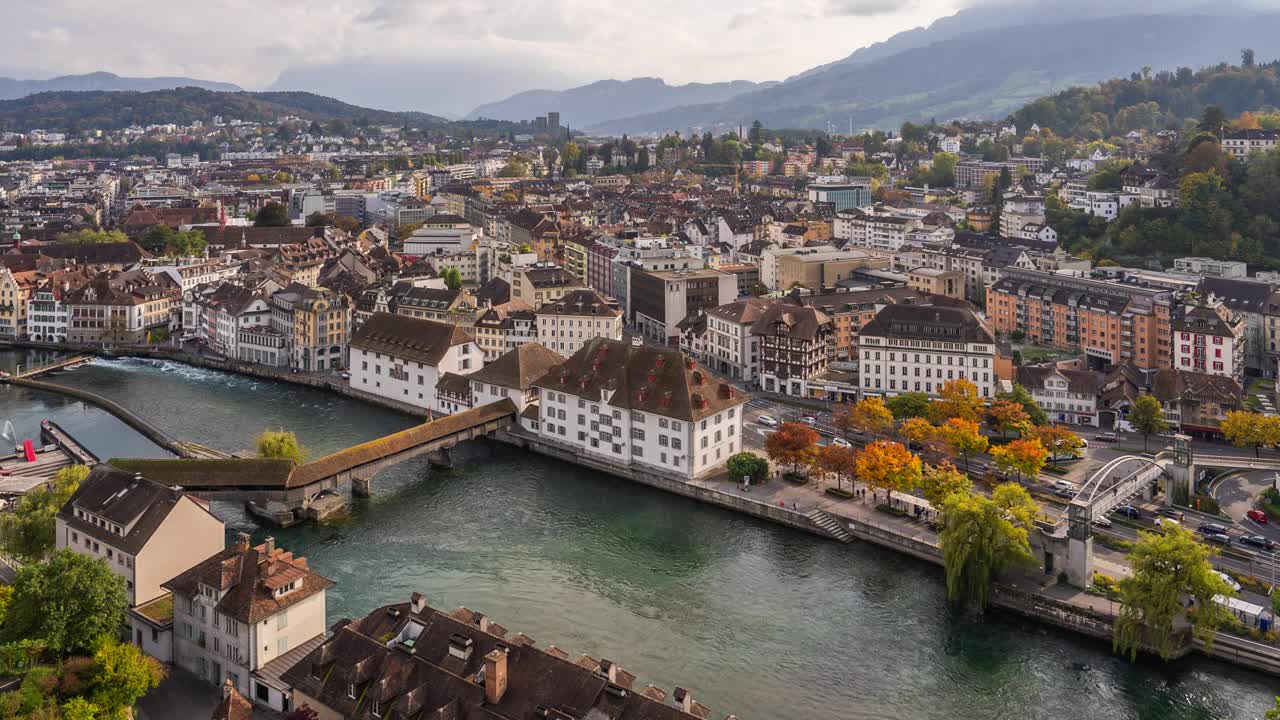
[{"x": 1036, "y": 596}]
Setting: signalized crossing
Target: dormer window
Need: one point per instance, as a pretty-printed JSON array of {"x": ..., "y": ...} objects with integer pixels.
[
  {"x": 375, "y": 709},
  {"x": 351, "y": 690}
]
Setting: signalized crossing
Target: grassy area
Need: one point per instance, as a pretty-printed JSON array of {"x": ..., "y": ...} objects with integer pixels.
[
  {"x": 1113, "y": 542},
  {"x": 159, "y": 610},
  {"x": 1032, "y": 354},
  {"x": 1270, "y": 504}
]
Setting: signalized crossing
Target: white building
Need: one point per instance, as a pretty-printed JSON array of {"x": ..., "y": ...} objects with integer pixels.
[
  {"x": 645, "y": 408},
  {"x": 918, "y": 348},
  {"x": 243, "y": 614},
  {"x": 729, "y": 347},
  {"x": 144, "y": 531},
  {"x": 403, "y": 358},
  {"x": 1066, "y": 396},
  {"x": 1209, "y": 338},
  {"x": 570, "y": 322},
  {"x": 442, "y": 233}
]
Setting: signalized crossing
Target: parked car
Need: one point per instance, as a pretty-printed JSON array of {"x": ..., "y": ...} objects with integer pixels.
[
  {"x": 1129, "y": 511},
  {"x": 1218, "y": 538},
  {"x": 1212, "y": 529},
  {"x": 1174, "y": 513},
  {"x": 1257, "y": 516},
  {"x": 1259, "y": 541},
  {"x": 1228, "y": 580},
  {"x": 1106, "y": 437},
  {"x": 841, "y": 442}
]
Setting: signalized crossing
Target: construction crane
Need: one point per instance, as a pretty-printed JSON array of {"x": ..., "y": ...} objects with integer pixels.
[{"x": 737, "y": 173}]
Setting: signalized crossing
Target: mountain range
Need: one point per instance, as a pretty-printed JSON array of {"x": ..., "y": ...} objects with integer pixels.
[
  {"x": 608, "y": 100},
  {"x": 11, "y": 88},
  {"x": 119, "y": 109},
  {"x": 982, "y": 62}
]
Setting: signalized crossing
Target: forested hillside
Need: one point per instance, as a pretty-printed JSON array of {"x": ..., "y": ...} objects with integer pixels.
[
  {"x": 1155, "y": 101},
  {"x": 114, "y": 110}
]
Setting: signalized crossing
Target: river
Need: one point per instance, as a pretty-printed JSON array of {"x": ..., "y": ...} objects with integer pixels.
[{"x": 758, "y": 620}]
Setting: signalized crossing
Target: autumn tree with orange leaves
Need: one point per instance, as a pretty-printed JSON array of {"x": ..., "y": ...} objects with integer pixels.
[
  {"x": 888, "y": 466},
  {"x": 1024, "y": 456},
  {"x": 957, "y": 399},
  {"x": 1006, "y": 415},
  {"x": 869, "y": 415},
  {"x": 1059, "y": 442},
  {"x": 965, "y": 439},
  {"x": 794, "y": 444},
  {"x": 918, "y": 430},
  {"x": 841, "y": 462}
]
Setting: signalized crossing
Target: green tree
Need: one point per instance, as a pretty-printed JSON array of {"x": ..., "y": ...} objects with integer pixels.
[
  {"x": 280, "y": 445},
  {"x": 122, "y": 676},
  {"x": 452, "y": 277},
  {"x": 1274, "y": 713},
  {"x": 273, "y": 214},
  {"x": 27, "y": 533},
  {"x": 320, "y": 219},
  {"x": 982, "y": 537},
  {"x": 1168, "y": 567},
  {"x": 157, "y": 239},
  {"x": 69, "y": 603},
  {"x": 187, "y": 243},
  {"x": 745, "y": 464},
  {"x": 909, "y": 405},
  {"x": 1020, "y": 395},
  {"x": 756, "y": 134},
  {"x": 78, "y": 708},
  {"x": 1147, "y": 417},
  {"x": 90, "y": 236},
  {"x": 1213, "y": 119},
  {"x": 1246, "y": 429},
  {"x": 938, "y": 482}
]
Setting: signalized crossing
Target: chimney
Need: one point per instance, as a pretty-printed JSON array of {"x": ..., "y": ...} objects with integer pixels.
[
  {"x": 227, "y": 689},
  {"x": 268, "y": 545},
  {"x": 495, "y": 676},
  {"x": 242, "y": 541},
  {"x": 417, "y": 601},
  {"x": 683, "y": 699},
  {"x": 482, "y": 622}
]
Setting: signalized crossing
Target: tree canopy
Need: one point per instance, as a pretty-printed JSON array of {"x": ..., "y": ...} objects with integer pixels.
[
  {"x": 1168, "y": 567},
  {"x": 272, "y": 214},
  {"x": 68, "y": 604},
  {"x": 982, "y": 537},
  {"x": 27, "y": 533},
  {"x": 1147, "y": 417},
  {"x": 280, "y": 445},
  {"x": 793, "y": 444}
]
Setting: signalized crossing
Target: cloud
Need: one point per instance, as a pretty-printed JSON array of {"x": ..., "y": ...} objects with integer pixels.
[
  {"x": 866, "y": 8},
  {"x": 498, "y": 46}
]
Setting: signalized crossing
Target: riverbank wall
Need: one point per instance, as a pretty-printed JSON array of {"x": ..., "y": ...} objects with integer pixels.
[
  {"x": 1028, "y": 602},
  {"x": 151, "y": 432}
]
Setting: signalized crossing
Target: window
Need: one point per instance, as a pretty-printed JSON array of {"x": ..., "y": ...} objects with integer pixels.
[
  {"x": 351, "y": 690},
  {"x": 662, "y": 440},
  {"x": 282, "y": 645},
  {"x": 262, "y": 691},
  {"x": 282, "y": 620},
  {"x": 675, "y": 443}
]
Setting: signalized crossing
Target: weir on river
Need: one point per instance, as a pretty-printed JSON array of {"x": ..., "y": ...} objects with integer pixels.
[{"x": 759, "y": 620}]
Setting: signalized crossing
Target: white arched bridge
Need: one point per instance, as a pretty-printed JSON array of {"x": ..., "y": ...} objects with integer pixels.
[{"x": 1124, "y": 478}]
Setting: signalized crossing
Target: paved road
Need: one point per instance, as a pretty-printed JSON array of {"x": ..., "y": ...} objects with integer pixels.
[{"x": 182, "y": 696}]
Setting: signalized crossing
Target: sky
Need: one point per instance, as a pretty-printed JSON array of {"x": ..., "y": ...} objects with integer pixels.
[{"x": 446, "y": 56}]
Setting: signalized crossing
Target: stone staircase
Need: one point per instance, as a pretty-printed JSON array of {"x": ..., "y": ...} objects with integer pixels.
[{"x": 830, "y": 526}]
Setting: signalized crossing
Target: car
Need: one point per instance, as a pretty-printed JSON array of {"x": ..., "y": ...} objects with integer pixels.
[
  {"x": 1063, "y": 485},
  {"x": 1129, "y": 511},
  {"x": 1106, "y": 437},
  {"x": 1259, "y": 541},
  {"x": 1218, "y": 538},
  {"x": 1166, "y": 522},
  {"x": 1102, "y": 522},
  {"x": 345, "y": 376},
  {"x": 1067, "y": 493},
  {"x": 1174, "y": 513},
  {"x": 809, "y": 420},
  {"x": 841, "y": 442},
  {"x": 767, "y": 421},
  {"x": 1212, "y": 529},
  {"x": 1230, "y": 581},
  {"x": 1257, "y": 516}
]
